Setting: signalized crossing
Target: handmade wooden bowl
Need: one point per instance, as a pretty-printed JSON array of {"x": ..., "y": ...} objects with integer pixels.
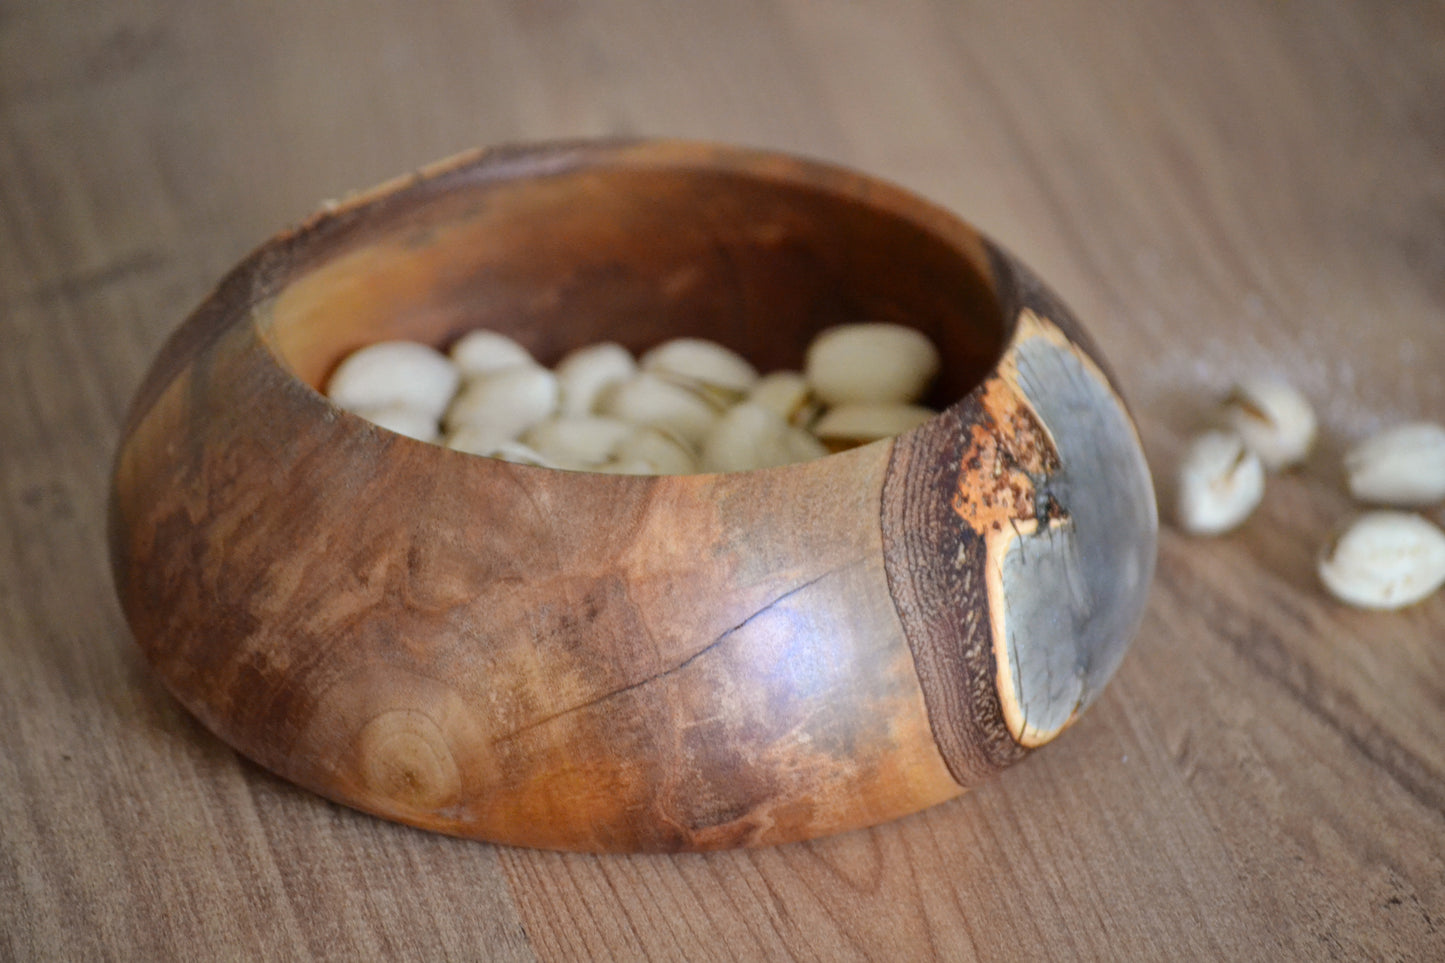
[{"x": 598, "y": 662}]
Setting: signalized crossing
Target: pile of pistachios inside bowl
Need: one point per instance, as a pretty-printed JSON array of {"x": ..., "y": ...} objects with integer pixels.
[{"x": 684, "y": 406}]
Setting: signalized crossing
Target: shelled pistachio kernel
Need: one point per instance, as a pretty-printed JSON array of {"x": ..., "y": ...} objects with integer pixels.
[
  {"x": 574, "y": 417},
  {"x": 871, "y": 362},
  {"x": 858, "y": 423},
  {"x": 1403, "y": 465},
  {"x": 468, "y": 439},
  {"x": 477, "y": 438},
  {"x": 649, "y": 399},
  {"x": 584, "y": 374},
  {"x": 479, "y": 353},
  {"x": 1384, "y": 560},
  {"x": 1273, "y": 419},
  {"x": 1221, "y": 481},
  {"x": 750, "y": 436},
  {"x": 392, "y": 374},
  {"x": 632, "y": 466},
  {"x": 648, "y": 445},
  {"x": 719, "y": 374},
  {"x": 577, "y": 441},
  {"x": 787, "y": 393},
  {"x": 404, "y": 421},
  {"x": 510, "y": 400}
]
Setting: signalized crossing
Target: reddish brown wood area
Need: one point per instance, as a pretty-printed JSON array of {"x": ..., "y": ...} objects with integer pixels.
[{"x": 567, "y": 660}]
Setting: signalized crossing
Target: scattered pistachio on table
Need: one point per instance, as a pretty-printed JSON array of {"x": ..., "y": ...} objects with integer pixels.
[
  {"x": 1403, "y": 466},
  {"x": 1221, "y": 480},
  {"x": 1380, "y": 559},
  {"x": 1384, "y": 560},
  {"x": 1273, "y": 419}
]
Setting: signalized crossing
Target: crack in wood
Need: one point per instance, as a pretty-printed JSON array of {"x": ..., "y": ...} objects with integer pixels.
[{"x": 672, "y": 670}]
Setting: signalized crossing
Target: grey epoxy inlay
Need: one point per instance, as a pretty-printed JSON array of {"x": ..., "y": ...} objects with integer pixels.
[{"x": 1074, "y": 592}]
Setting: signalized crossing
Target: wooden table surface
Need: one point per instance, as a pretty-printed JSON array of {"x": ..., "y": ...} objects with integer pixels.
[{"x": 1217, "y": 189}]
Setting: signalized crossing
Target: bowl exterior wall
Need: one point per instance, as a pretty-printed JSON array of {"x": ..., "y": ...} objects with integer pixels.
[{"x": 591, "y": 662}]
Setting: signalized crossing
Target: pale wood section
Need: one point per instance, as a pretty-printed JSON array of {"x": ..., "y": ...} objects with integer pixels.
[{"x": 1212, "y": 187}]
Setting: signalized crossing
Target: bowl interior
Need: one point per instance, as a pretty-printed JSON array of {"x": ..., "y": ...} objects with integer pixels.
[{"x": 605, "y": 249}]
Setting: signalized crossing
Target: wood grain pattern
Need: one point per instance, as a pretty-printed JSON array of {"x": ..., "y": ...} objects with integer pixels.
[
  {"x": 1213, "y": 188},
  {"x": 609, "y": 663}
]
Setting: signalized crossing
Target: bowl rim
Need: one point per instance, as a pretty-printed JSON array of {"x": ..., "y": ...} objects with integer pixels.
[{"x": 263, "y": 274}]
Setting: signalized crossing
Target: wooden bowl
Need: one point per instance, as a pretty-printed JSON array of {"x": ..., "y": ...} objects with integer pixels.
[{"x": 597, "y": 662}]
